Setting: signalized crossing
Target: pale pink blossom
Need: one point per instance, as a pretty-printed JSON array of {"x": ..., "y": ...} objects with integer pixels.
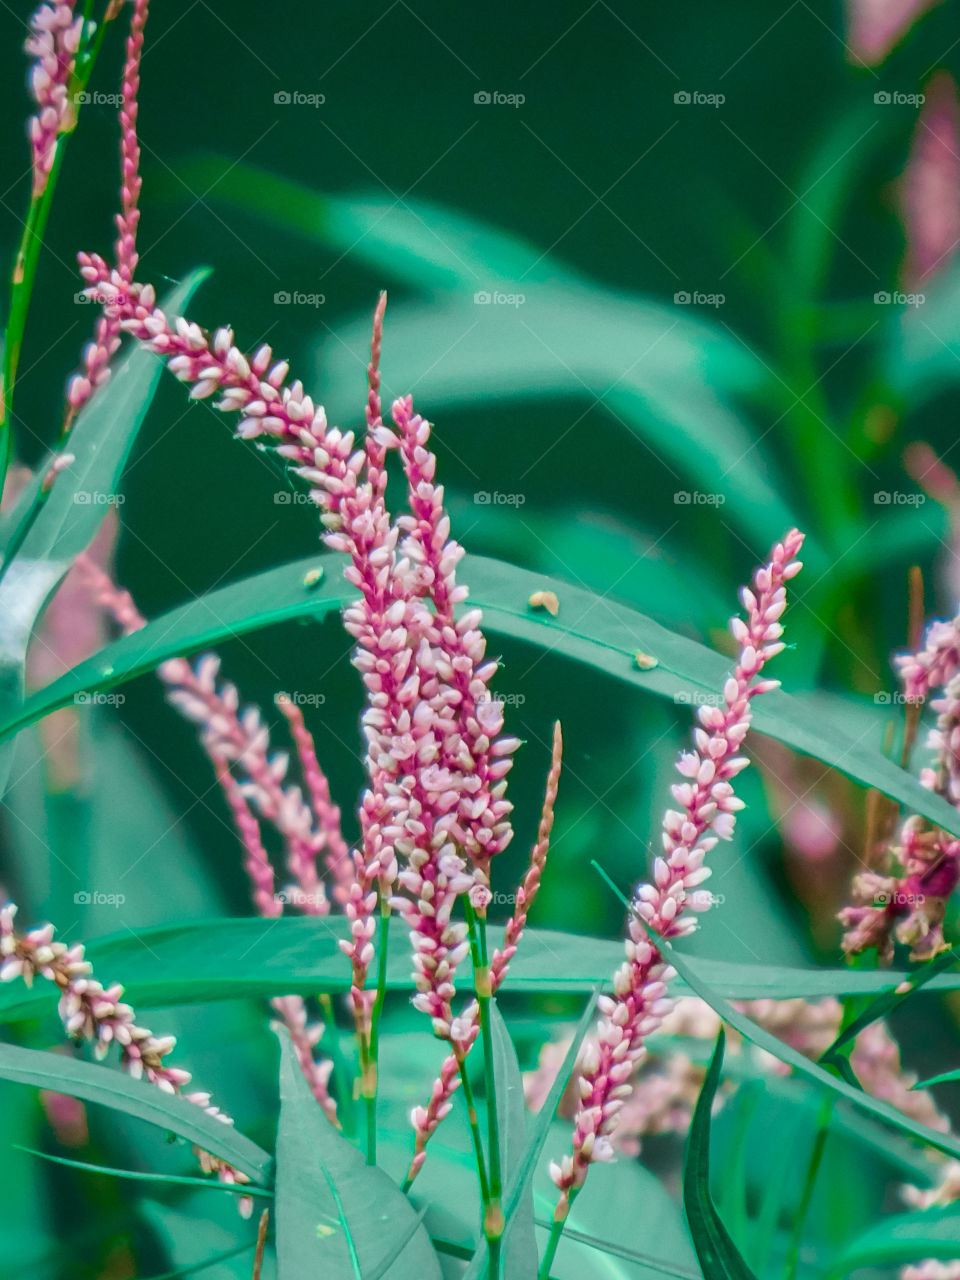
[
  {"x": 55, "y": 32},
  {"x": 667, "y": 906},
  {"x": 90, "y": 1011},
  {"x": 874, "y": 27},
  {"x": 930, "y": 189}
]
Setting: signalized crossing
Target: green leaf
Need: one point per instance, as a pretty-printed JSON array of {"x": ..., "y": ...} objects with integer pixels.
[
  {"x": 67, "y": 519},
  {"x": 520, "y": 1258},
  {"x": 945, "y": 1142},
  {"x": 623, "y": 1225},
  {"x": 336, "y": 1216},
  {"x": 592, "y": 630},
  {"x": 907, "y": 1237},
  {"x": 517, "y": 1185},
  {"x": 719, "y": 1256},
  {"x": 110, "y": 1088},
  {"x": 205, "y": 960},
  {"x": 838, "y": 1053},
  {"x": 664, "y": 374},
  {"x": 133, "y": 1175}
]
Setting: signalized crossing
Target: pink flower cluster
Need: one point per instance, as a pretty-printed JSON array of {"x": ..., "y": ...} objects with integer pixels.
[
  {"x": 96, "y": 1013},
  {"x": 906, "y": 900},
  {"x": 53, "y": 42},
  {"x": 640, "y": 1003},
  {"x": 98, "y": 354}
]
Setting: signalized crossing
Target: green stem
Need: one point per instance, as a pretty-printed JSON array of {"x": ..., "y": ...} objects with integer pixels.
[
  {"x": 341, "y": 1073},
  {"x": 556, "y": 1231},
  {"x": 28, "y": 255},
  {"x": 493, "y": 1211},
  {"x": 474, "y": 1128},
  {"x": 824, "y": 1116},
  {"x": 370, "y": 1074}
]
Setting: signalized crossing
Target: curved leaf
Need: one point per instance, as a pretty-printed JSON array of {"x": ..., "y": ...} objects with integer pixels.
[
  {"x": 590, "y": 629},
  {"x": 66, "y": 520},
  {"x": 207, "y": 960},
  {"x": 719, "y": 1256},
  {"x": 906, "y": 1237},
  {"x": 337, "y": 1216},
  {"x": 95, "y": 1083}
]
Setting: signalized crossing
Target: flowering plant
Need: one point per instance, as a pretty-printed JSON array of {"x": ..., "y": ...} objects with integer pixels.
[{"x": 406, "y": 1139}]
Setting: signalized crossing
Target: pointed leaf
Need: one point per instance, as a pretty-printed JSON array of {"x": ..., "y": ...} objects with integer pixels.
[
  {"x": 719, "y": 1256},
  {"x": 111, "y": 1088},
  {"x": 336, "y": 1216},
  {"x": 590, "y": 629}
]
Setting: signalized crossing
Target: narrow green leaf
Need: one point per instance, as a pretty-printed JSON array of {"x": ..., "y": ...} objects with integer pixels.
[
  {"x": 67, "y": 519},
  {"x": 205, "y": 960},
  {"x": 719, "y": 1256},
  {"x": 111, "y": 1088},
  {"x": 945, "y": 1142},
  {"x": 336, "y": 1216},
  {"x": 132, "y": 1175},
  {"x": 904, "y": 1238},
  {"x": 519, "y": 1256},
  {"x": 604, "y": 637},
  {"x": 838, "y": 1053}
]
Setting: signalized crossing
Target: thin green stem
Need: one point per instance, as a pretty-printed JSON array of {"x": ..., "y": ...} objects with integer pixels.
[
  {"x": 341, "y": 1073},
  {"x": 474, "y": 1127},
  {"x": 556, "y": 1231},
  {"x": 28, "y": 253},
  {"x": 493, "y": 1222},
  {"x": 370, "y": 1068},
  {"x": 824, "y": 1117}
]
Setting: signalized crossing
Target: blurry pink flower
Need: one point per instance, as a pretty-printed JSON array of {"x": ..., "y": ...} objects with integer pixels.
[
  {"x": 53, "y": 43},
  {"x": 930, "y": 189},
  {"x": 875, "y": 26}
]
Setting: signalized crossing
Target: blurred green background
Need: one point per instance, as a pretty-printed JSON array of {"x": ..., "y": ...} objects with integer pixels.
[{"x": 586, "y": 411}]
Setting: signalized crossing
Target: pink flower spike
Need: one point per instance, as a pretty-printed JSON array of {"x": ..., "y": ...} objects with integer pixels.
[{"x": 638, "y": 1006}]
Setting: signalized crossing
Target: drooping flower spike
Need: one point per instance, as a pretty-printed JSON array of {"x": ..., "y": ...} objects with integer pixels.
[
  {"x": 667, "y": 905},
  {"x": 90, "y": 1011},
  {"x": 235, "y": 741}
]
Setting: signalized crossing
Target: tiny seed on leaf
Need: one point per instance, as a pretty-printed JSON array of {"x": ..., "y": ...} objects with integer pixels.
[
  {"x": 645, "y": 661},
  {"x": 545, "y": 600}
]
